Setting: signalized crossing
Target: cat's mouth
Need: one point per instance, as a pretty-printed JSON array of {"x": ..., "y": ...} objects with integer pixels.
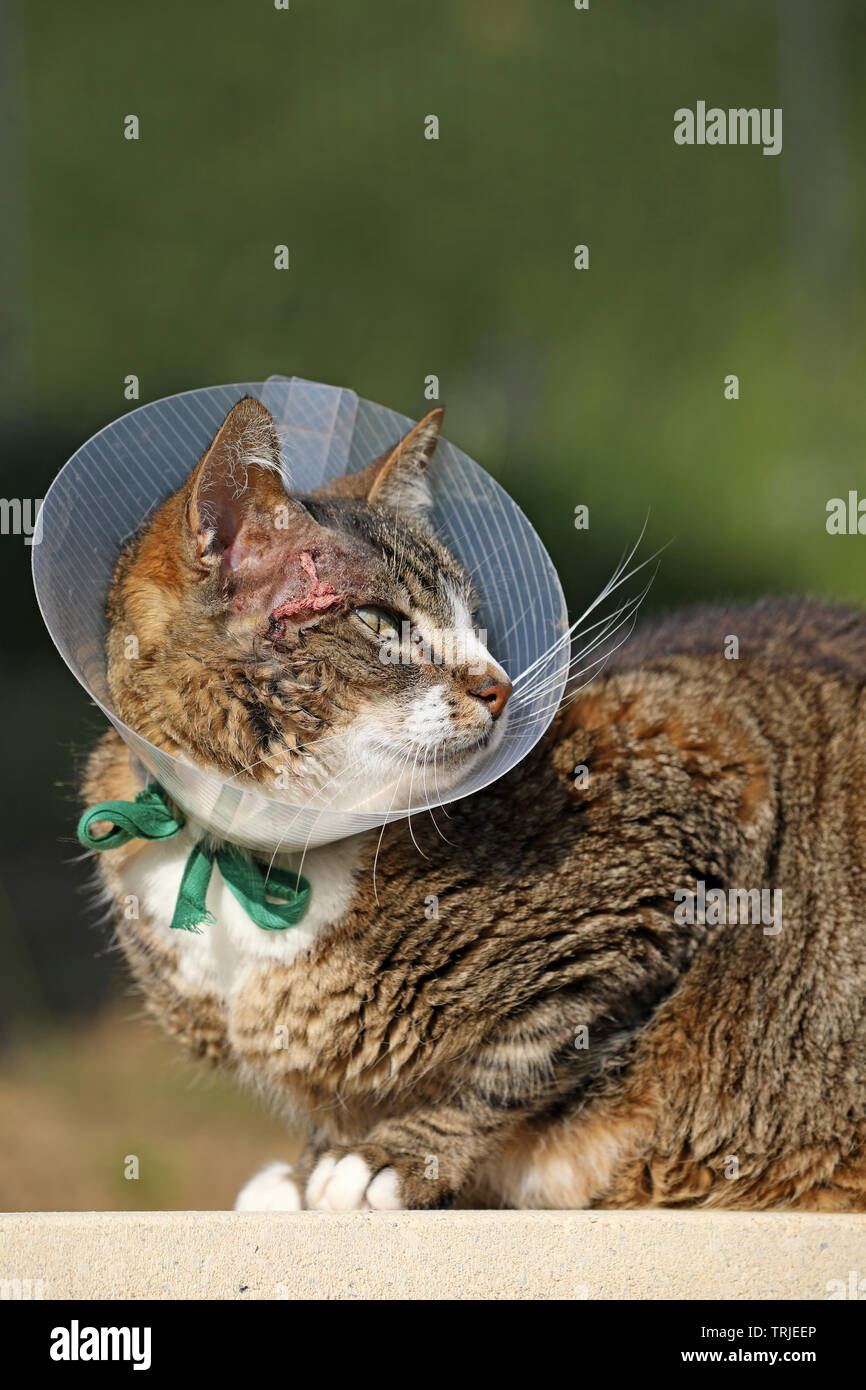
[
  {"x": 472, "y": 744},
  {"x": 408, "y": 778},
  {"x": 453, "y": 755},
  {"x": 410, "y": 772}
]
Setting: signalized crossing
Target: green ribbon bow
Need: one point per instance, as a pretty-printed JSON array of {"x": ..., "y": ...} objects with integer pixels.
[{"x": 273, "y": 901}]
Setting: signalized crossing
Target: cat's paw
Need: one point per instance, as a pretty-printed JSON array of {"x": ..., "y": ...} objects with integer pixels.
[
  {"x": 272, "y": 1189},
  {"x": 354, "y": 1181}
]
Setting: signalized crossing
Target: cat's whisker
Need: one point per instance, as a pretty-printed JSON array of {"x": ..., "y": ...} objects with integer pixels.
[
  {"x": 538, "y": 669},
  {"x": 573, "y": 694},
  {"x": 601, "y": 622},
  {"x": 337, "y": 776},
  {"x": 309, "y": 750},
  {"x": 610, "y": 626},
  {"x": 307, "y": 846},
  {"x": 572, "y": 631},
  {"x": 428, "y": 807},
  {"x": 342, "y": 775},
  {"x": 320, "y": 809},
  {"x": 246, "y": 770},
  {"x": 409, "y": 815},
  {"x": 606, "y": 624},
  {"x": 567, "y": 637},
  {"x": 527, "y": 710},
  {"x": 516, "y": 727},
  {"x": 399, "y": 567},
  {"x": 529, "y": 693},
  {"x": 436, "y": 783},
  {"x": 382, "y": 831},
  {"x": 618, "y": 578},
  {"x": 557, "y": 704}
]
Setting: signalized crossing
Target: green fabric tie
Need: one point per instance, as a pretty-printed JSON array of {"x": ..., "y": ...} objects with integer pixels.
[{"x": 273, "y": 901}]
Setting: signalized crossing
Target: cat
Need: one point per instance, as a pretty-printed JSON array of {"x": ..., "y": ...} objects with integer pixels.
[{"x": 554, "y": 1031}]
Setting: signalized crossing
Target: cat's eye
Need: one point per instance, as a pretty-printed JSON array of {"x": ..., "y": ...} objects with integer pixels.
[{"x": 383, "y": 623}]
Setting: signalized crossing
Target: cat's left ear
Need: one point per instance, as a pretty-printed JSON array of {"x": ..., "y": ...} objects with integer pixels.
[{"x": 400, "y": 483}]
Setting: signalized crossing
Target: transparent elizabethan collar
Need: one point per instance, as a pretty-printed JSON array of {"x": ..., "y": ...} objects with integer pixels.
[{"x": 119, "y": 477}]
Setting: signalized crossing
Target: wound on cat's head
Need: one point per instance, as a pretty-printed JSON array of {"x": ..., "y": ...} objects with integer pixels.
[{"x": 322, "y": 644}]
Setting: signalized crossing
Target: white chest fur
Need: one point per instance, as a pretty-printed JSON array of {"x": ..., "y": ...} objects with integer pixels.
[{"x": 214, "y": 960}]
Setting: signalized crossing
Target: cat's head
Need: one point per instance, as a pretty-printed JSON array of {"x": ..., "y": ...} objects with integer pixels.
[{"x": 322, "y": 644}]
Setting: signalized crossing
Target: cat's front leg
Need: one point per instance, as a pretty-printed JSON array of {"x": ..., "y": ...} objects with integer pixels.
[{"x": 421, "y": 1162}]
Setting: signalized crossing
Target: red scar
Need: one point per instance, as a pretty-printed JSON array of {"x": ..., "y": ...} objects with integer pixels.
[{"x": 319, "y": 597}]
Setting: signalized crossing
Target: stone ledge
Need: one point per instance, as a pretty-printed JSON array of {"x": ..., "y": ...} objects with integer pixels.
[{"x": 431, "y": 1255}]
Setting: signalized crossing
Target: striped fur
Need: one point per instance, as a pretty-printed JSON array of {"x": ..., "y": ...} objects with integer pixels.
[{"x": 517, "y": 1016}]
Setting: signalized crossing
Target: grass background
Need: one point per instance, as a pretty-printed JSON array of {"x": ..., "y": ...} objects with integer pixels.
[{"x": 408, "y": 257}]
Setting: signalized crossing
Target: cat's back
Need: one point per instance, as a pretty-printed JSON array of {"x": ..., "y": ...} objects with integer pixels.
[
  {"x": 775, "y": 686},
  {"x": 786, "y": 634}
]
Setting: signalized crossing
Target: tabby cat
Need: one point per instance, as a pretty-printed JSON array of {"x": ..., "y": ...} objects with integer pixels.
[{"x": 564, "y": 1029}]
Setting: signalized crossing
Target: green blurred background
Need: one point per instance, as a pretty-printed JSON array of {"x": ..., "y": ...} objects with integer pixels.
[{"x": 409, "y": 257}]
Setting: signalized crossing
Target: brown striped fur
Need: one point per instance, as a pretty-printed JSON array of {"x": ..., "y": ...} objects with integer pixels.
[{"x": 412, "y": 1037}]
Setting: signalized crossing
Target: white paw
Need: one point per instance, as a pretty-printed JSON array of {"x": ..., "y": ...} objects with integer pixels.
[
  {"x": 273, "y": 1189},
  {"x": 344, "y": 1185}
]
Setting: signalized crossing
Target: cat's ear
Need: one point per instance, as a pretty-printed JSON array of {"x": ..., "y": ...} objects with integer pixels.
[
  {"x": 397, "y": 479},
  {"x": 401, "y": 482},
  {"x": 236, "y": 497}
]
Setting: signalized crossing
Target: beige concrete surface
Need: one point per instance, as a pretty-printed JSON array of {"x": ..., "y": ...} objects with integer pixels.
[{"x": 431, "y": 1255}]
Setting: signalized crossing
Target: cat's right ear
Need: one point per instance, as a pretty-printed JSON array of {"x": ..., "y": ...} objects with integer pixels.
[{"x": 236, "y": 497}]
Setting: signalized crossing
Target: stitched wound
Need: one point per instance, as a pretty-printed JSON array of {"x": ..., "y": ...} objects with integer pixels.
[{"x": 319, "y": 597}]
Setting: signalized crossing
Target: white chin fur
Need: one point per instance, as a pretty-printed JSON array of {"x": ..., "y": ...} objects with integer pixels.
[{"x": 420, "y": 775}]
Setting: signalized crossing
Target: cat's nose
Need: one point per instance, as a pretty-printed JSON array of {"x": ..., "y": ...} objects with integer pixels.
[{"x": 495, "y": 696}]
